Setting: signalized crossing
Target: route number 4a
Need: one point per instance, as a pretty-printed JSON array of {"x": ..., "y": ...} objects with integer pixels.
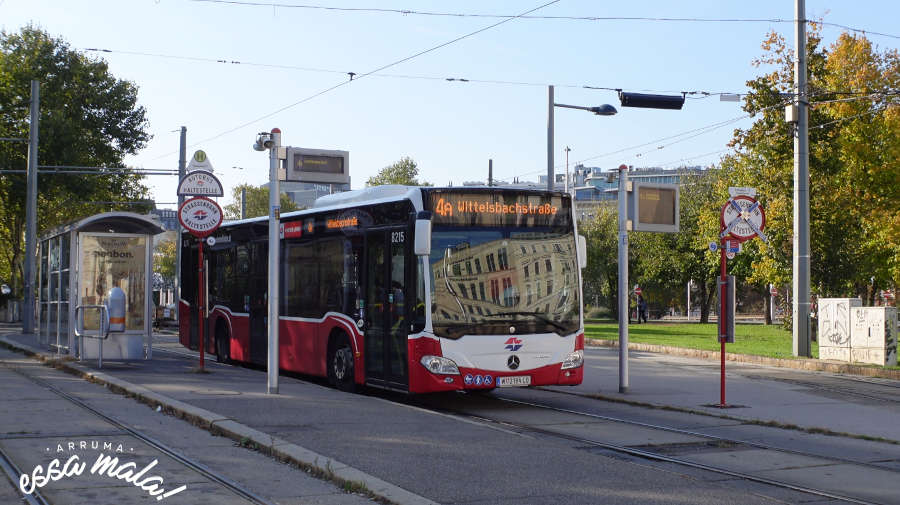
[{"x": 398, "y": 237}]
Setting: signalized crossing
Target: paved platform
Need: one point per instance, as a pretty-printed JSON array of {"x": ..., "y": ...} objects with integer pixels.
[{"x": 324, "y": 430}]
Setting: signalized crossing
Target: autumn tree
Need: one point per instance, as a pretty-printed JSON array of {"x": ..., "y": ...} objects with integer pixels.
[
  {"x": 257, "y": 202},
  {"x": 87, "y": 118},
  {"x": 854, "y": 163},
  {"x": 403, "y": 172}
]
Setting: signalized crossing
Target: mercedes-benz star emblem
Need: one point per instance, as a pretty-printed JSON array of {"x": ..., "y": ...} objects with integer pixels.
[{"x": 513, "y": 362}]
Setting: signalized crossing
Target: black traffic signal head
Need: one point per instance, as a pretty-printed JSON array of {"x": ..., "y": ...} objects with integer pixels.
[{"x": 651, "y": 101}]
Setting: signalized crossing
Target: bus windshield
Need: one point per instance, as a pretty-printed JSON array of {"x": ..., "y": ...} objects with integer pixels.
[{"x": 489, "y": 281}]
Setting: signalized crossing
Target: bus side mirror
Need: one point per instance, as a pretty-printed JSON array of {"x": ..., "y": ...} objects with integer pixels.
[
  {"x": 422, "y": 244},
  {"x": 581, "y": 250}
]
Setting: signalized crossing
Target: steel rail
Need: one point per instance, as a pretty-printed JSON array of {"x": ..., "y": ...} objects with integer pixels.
[
  {"x": 198, "y": 467},
  {"x": 12, "y": 473},
  {"x": 668, "y": 459},
  {"x": 715, "y": 438}
]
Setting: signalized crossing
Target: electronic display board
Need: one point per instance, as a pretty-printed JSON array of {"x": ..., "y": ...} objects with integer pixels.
[{"x": 499, "y": 208}]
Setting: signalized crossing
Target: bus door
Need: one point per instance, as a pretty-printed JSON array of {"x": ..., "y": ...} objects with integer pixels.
[
  {"x": 386, "y": 321},
  {"x": 257, "y": 294}
]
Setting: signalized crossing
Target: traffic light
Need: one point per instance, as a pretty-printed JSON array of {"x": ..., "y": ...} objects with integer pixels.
[{"x": 651, "y": 101}]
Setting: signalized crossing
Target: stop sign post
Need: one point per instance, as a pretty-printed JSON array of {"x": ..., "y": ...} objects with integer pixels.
[
  {"x": 201, "y": 217},
  {"x": 741, "y": 218}
]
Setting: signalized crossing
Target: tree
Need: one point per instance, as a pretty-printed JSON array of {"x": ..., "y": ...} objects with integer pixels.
[
  {"x": 87, "y": 118},
  {"x": 403, "y": 172},
  {"x": 164, "y": 260},
  {"x": 601, "y": 275},
  {"x": 854, "y": 141},
  {"x": 663, "y": 263},
  {"x": 257, "y": 202}
]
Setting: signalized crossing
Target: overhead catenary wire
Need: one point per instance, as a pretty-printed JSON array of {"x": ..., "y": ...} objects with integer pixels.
[
  {"x": 363, "y": 75},
  {"x": 413, "y": 12},
  {"x": 453, "y": 79}
]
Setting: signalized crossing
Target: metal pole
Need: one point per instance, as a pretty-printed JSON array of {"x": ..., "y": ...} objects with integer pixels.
[
  {"x": 689, "y": 300},
  {"x": 771, "y": 305},
  {"x": 567, "y": 168},
  {"x": 623, "y": 279},
  {"x": 182, "y": 150},
  {"x": 801, "y": 340},
  {"x": 723, "y": 323},
  {"x": 201, "y": 308},
  {"x": 490, "y": 172},
  {"x": 243, "y": 203},
  {"x": 274, "y": 246},
  {"x": 550, "y": 139},
  {"x": 31, "y": 209}
]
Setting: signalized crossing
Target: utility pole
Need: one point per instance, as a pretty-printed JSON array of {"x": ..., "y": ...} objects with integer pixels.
[
  {"x": 274, "y": 246},
  {"x": 31, "y": 209},
  {"x": 182, "y": 153},
  {"x": 567, "y": 168},
  {"x": 801, "y": 340},
  {"x": 623, "y": 279},
  {"x": 550, "y": 138}
]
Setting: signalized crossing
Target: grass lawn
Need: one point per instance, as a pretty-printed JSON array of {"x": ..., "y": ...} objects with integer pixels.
[{"x": 757, "y": 339}]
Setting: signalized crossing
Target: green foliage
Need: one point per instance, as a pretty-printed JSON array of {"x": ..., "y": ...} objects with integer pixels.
[
  {"x": 87, "y": 118},
  {"x": 854, "y": 164},
  {"x": 403, "y": 172},
  {"x": 257, "y": 202},
  {"x": 600, "y": 277},
  {"x": 164, "y": 260}
]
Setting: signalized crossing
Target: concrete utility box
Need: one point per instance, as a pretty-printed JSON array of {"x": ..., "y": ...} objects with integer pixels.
[
  {"x": 79, "y": 265},
  {"x": 834, "y": 327},
  {"x": 873, "y": 335}
]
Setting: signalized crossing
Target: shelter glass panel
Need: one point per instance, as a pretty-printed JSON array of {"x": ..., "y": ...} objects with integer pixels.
[{"x": 109, "y": 261}]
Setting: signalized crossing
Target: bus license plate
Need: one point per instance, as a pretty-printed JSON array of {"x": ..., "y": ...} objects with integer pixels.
[{"x": 515, "y": 381}]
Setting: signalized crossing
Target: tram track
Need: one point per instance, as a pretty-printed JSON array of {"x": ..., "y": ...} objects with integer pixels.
[
  {"x": 226, "y": 483},
  {"x": 12, "y": 473},
  {"x": 649, "y": 451}
]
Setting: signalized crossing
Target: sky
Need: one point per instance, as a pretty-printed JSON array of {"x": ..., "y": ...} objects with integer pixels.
[{"x": 288, "y": 67}]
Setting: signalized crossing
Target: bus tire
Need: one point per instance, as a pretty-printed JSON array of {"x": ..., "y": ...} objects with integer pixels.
[
  {"x": 222, "y": 343},
  {"x": 340, "y": 363}
]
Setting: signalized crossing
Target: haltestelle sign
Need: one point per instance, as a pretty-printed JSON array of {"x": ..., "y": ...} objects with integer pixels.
[
  {"x": 200, "y": 216},
  {"x": 200, "y": 183}
]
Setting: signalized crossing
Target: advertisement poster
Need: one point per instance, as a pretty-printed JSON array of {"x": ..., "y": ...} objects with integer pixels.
[{"x": 114, "y": 261}]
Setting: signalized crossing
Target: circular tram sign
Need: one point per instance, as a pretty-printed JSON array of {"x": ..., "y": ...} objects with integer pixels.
[
  {"x": 743, "y": 218},
  {"x": 200, "y": 216}
]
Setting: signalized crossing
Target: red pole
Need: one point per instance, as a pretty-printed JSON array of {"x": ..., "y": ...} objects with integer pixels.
[
  {"x": 722, "y": 323},
  {"x": 200, "y": 302}
]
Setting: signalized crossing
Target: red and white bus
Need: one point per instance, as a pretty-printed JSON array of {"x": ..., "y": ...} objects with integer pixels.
[{"x": 414, "y": 289}]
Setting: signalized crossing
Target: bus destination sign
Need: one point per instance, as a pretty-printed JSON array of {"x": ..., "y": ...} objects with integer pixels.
[{"x": 498, "y": 208}]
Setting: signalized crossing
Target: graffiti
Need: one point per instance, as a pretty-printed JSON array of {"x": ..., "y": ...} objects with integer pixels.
[{"x": 834, "y": 321}]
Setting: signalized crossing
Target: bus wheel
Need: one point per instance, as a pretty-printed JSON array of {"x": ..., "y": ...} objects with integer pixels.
[
  {"x": 222, "y": 341},
  {"x": 340, "y": 365}
]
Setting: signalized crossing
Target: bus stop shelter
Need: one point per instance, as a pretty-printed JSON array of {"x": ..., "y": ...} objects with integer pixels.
[{"x": 78, "y": 264}]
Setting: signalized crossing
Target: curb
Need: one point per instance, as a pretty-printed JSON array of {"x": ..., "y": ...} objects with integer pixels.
[
  {"x": 319, "y": 465},
  {"x": 797, "y": 364}
]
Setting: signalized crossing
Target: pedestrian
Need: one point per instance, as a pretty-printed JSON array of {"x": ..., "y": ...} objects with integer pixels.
[{"x": 641, "y": 309}]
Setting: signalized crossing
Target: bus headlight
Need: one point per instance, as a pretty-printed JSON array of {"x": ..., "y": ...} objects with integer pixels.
[
  {"x": 439, "y": 365},
  {"x": 573, "y": 360}
]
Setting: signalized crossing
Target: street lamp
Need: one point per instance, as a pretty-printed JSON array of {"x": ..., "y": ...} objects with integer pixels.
[
  {"x": 272, "y": 142},
  {"x": 601, "y": 110}
]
